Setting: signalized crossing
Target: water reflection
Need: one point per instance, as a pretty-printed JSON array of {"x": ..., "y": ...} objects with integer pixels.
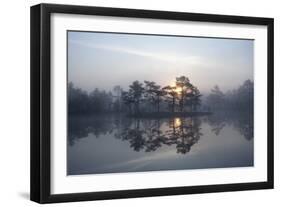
[
  {"x": 115, "y": 143},
  {"x": 150, "y": 134},
  {"x": 243, "y": 122}
]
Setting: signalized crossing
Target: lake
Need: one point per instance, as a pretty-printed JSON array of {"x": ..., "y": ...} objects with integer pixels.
[{"x": 116, "y": 143}]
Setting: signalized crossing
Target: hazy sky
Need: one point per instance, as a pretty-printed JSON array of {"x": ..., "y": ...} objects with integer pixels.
[{"x": 104, "y": 60}]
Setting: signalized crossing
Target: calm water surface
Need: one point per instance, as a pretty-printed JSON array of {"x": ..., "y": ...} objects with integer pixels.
[{"x": 114, "y": 143}]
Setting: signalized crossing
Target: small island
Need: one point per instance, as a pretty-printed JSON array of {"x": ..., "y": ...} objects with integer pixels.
[{"x": 150, "y": 100}]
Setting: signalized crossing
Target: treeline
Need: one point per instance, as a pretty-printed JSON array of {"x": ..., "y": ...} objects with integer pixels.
[
  {"x": 149, "y": 97},
  {"x": 140, "y": 97},
  {"x": 82, "y": 102},
  {"x": 240, "y": 99}
]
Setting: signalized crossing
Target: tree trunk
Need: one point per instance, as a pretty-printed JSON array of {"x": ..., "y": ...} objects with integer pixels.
[
  {"x": 158, "y": 104},
  {"x": 181, "y": 101}
]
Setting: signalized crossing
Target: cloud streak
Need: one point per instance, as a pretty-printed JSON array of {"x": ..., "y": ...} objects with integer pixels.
[{"x": 161, "y": 56}]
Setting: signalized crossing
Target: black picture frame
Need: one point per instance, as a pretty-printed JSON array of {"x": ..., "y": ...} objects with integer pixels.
[{"x": 41, "y": 98}]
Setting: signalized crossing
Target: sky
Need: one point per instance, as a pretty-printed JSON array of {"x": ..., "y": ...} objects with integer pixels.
[{"x": 104, "y": 60}]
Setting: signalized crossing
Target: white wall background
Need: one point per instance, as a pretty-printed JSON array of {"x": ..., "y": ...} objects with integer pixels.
[{"x": 14, "y": 103}]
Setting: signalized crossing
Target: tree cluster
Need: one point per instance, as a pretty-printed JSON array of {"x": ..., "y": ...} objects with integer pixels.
[
  {"x": 240, "y": 99},
  {"x": 82, "y": 102},
  {"x": 140, "y": 97},
  {"x": 150, "y": 96}
]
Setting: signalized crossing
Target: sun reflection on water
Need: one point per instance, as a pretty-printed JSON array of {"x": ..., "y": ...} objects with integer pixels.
[{"x": 177, "y": 122}]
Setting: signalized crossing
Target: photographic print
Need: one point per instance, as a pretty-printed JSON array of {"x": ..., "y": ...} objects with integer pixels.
[
  {"x": 130, "y": 103},
  {"x": 142, "y": 102}
]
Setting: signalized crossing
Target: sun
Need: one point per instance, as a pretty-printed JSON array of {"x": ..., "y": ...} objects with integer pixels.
[{"x": 178, "y": 90}]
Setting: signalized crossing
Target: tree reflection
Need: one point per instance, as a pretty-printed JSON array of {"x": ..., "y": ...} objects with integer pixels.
[
  {"x": 134, "y": 134},
  {"x": 81, "y": 126},
  {"x": 245, "y": 125},
  {"x": 189, "y": 134},
  {"x": 184, "y": 133},
  {"x": 148, "y": 135},
  {"x": 241, "y": 121},
  {"x": 142, "y": 134}
]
